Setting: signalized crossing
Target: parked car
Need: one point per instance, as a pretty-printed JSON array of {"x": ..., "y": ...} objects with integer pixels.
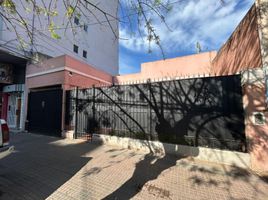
[{"x": 5, "y": 148}]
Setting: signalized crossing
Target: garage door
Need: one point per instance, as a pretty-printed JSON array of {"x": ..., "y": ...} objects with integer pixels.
[{"x": 44, "y": 112}]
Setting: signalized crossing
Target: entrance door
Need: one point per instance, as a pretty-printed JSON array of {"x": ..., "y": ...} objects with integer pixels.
[
  {"x": 14, "y": 110},
  {"x": 18, "y": 112},
  {"x": 45, "y": 112},
  {"x": 11, "y": 110}
]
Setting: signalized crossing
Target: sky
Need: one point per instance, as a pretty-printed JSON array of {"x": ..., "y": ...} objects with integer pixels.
[{"x": 207, "y": 22}]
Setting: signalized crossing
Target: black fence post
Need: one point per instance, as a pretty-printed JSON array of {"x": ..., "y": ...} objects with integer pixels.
[
  {"x": 93, "y": 106},
  {"x": 150, "y": 110},
  {"x": 76, "y": 113}
]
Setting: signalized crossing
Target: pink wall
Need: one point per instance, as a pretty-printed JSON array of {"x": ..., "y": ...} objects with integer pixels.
[
  {"x": 56, "y": 78},
  {"x": 197, "y": 64},
  {"x": 242, "y": 50},
  {"x": 71, "y": 81},
  {"x": 46, "y": 65},
  {"x": 67, "y": 71},
  {"x": 257, "y": 135},
  {"x": 181, "y": 66},
  {"x": 87, "y": 69}
]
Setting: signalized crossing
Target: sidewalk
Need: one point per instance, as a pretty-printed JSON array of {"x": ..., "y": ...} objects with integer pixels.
[
  {"x": 45, "y": 167},
  {"x": 124, "y": 174}
]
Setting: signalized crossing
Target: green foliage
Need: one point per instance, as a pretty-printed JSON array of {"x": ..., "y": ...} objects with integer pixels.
[
  {"x": 157, "y": 2},
  {"x": 10, "y": 5},
  {"x": 51, "y": 29},
  {"x": 70, "y": 11}
]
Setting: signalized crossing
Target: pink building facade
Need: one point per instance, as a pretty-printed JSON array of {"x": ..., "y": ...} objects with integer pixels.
[{"x": 62, "y": 73}]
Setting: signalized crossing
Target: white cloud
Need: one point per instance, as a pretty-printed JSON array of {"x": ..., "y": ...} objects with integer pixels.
[{"x": 205, "y": 21}]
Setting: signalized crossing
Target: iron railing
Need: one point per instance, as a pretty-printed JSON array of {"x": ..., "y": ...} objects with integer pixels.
[{"x": 196, "y": 112}]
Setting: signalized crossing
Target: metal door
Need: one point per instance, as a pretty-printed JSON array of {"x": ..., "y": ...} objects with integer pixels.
[
  {"x": 18, "y": 111},
  {"x": 45, "y": 112}
]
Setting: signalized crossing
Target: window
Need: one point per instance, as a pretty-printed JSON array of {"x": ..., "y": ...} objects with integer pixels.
[
  {"x": 75, "y": 48},
  {"x": 85, "y": 54},
  {"x": 85, "y": 27},
  {"x": 76, "y": 20}
]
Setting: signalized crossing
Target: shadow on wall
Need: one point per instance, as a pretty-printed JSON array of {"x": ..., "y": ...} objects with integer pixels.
[
  {"x": 257, "y": 134},
  {"x": 242, "y": 51},
  {"x": 263, "y": 26},
  {"x": 196, "y": 112},
  {"x": 204, "y": 111}
]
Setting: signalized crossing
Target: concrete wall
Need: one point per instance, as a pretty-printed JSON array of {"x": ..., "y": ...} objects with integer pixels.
[{"x": 212, "y": 155}]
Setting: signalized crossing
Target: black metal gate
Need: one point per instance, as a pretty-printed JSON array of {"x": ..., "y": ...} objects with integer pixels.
[
  {"x": 197, "y": 112},
  {"x": 45, "y": 111}
]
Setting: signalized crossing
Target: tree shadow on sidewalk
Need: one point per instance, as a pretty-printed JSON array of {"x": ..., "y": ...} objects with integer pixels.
[{"x": 146, "y": 170}]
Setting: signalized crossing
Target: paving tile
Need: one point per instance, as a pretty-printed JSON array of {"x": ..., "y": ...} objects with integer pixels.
[{"x": 44, "y": 167}]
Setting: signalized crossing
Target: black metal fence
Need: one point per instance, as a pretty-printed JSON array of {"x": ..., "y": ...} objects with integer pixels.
[{"x": 197, "y": 112}]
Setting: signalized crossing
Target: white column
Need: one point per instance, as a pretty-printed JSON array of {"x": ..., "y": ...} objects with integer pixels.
[
  {"x": 262, "y": 9},
  {"x": 24, "y": 108},
  {"x": 22, "y": 112}
]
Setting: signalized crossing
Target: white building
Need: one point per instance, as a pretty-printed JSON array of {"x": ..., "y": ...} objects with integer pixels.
[
  {"x": 86, "y": 36},
  {"x": 97, "y": 41}
]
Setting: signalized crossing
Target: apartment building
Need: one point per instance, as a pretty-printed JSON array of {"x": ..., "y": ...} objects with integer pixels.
[{"x": 87, "y": 38}]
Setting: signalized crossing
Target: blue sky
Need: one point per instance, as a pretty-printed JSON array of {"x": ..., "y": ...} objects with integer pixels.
[{"x": 207, "y": 22}]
